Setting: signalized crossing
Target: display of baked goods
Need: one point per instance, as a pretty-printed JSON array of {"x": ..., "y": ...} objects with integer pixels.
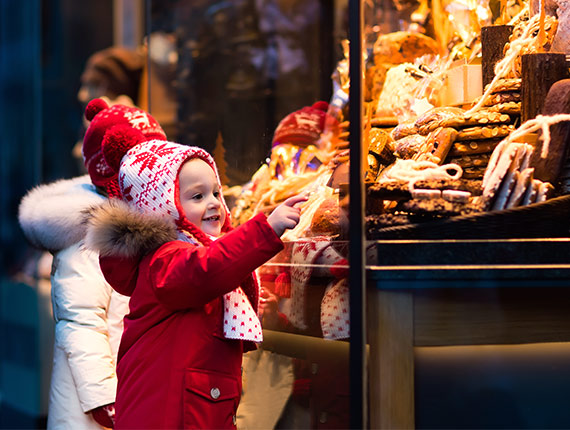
[{"x": 427, "y": 162}]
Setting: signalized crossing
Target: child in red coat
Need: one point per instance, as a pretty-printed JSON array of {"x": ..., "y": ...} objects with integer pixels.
[{"x": 169, "y": 245}]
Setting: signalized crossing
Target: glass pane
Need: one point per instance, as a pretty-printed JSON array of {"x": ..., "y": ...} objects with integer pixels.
[{"x": 251, "y": 82}]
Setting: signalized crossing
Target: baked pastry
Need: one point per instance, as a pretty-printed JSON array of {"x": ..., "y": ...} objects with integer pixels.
[
  {"x": 406, "y": 128},
  {"x": 440, "y": 207},
  {"x": 506, "y": 163},
  {"x": 424, "y": 122},
  {"x": 472, "y": 147},
  {"x": 481, "y": 117},
  {"x": 381, "y": 145},
  {"x": 486, "y": 132},
  {"x": 326, "y": 219},
  {"x": 504, "y": 97},
  {"x": 471, "y": 160},
  {"x": 510, "y": 108},
  {"x": 437, "y": 145},
  {"x": 408, "y": 146},
  {"x": 384, "y": 121},
  {"x": 403, "y": 46},
  {"x": 506, "y": 84},
  {"x": 474, "y": 172}
]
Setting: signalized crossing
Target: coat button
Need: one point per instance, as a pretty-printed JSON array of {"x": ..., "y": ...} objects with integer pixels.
[
  {"x": 314, "y": 368},
  {"x": 215, "y": 393},
  {"x": 323, "y": 417}
]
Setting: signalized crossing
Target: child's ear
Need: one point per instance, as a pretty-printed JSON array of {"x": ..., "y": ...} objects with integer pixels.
[{"x": 117, "y": 141}]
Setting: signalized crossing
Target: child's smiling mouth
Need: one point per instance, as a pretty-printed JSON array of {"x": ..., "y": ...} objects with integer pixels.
[{"x": 212, "y": 218}]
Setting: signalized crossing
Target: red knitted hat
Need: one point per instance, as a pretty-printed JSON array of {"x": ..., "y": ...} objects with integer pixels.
[
  {"x": 304, "y": 126},
  {"x": 103, "y": 120},
  {"x": 148, "y": 175}
]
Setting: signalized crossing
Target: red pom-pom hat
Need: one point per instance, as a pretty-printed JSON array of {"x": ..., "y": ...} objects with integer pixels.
[
  {"x": 103, "y": 118},
  {"x": 304, "y": 126}
]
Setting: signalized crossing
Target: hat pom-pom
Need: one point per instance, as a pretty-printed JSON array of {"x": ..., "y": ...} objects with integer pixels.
[
  {"x": 94, "y": 107},
  {"x": 117, "y": 141},
  {"x": 321, "y": 105}
]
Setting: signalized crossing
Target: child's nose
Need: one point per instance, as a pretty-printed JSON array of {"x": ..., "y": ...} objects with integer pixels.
[{"x": 214, "y": 202}]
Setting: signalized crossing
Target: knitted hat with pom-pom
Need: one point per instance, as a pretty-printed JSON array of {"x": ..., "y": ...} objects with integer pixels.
[
  {"x": 148, "y": 175},
  {"x": 304, "y": 126},
  {"x": 103, "y": 120}
]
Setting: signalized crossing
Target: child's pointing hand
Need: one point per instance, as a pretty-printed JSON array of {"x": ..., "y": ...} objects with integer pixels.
[{"x": 287, "y": 214}]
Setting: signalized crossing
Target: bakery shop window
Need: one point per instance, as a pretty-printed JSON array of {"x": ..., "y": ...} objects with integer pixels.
[{"x": 464, "y": 130}]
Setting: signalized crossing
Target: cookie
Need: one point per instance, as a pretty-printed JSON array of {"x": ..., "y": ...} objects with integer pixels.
[
  {"x": 378, "y": 221},
  {"x": 474, "y": 172},
  {"x": 481, "y": 117},
  {"x": 472, "y": 147},
  {"x": 456, "y": 196},
  {"x": 440, "y": 207},
  {"x": 505, "y": 85},
  {"x": 545, "y": 190},
  {"x": 505, "y": 97},
  {"x": 505, "y": 170},
  {"x": 499, "y": 164},
  {"x": 524, "y": 179},
  {"x": 487, "y": 132},
  {"x": 510, "y": 108},
  {"x": 531, "y": 192},
  {"x": 471, "y": 160}
]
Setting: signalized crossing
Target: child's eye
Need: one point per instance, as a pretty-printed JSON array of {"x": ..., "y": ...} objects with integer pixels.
[
  {"x": 217, "y": 194},
  {"x": 197, "y": 196}
]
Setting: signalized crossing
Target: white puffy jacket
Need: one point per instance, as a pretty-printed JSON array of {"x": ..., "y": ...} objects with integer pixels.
[{"x": 88, "y": 312}]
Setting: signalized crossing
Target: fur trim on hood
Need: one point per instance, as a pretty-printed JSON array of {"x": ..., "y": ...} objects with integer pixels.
[
  {"x": 115, "y": 229},
  {"x": 52, "y": 215}
]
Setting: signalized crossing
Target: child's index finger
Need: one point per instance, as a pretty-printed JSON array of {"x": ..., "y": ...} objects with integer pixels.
[{"x": 292, "y": 201}]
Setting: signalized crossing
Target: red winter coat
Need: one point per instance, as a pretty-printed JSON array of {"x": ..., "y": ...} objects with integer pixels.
[{"x": 175, "y": 368}]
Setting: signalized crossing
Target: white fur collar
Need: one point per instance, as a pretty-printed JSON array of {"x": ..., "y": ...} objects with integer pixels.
[{"x": 52, "y": 215}]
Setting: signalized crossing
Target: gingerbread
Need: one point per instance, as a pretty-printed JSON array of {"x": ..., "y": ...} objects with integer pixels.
[
  {"x": 408, "y": 146},
  {"x": 505, "y": 85},
  {"x": 480, "y": 117},
  {"x": 486, "y": 132},
  {"x": 472, "y": 147},
  {"x": 510, "y": 108}
]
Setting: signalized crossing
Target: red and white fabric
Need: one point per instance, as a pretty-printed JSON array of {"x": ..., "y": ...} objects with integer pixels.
[
  {"x": 240, "y": 320},
  {"x": 317, "y": 257}
]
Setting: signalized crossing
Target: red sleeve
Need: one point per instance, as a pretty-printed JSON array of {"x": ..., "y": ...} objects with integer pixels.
[{"x": 186, "y": 276}]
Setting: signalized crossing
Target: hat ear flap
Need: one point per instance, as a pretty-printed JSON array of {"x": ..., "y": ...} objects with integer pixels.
[
  {"x": 94, "y": 107},
  {"x": 117, "y": 141}
]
